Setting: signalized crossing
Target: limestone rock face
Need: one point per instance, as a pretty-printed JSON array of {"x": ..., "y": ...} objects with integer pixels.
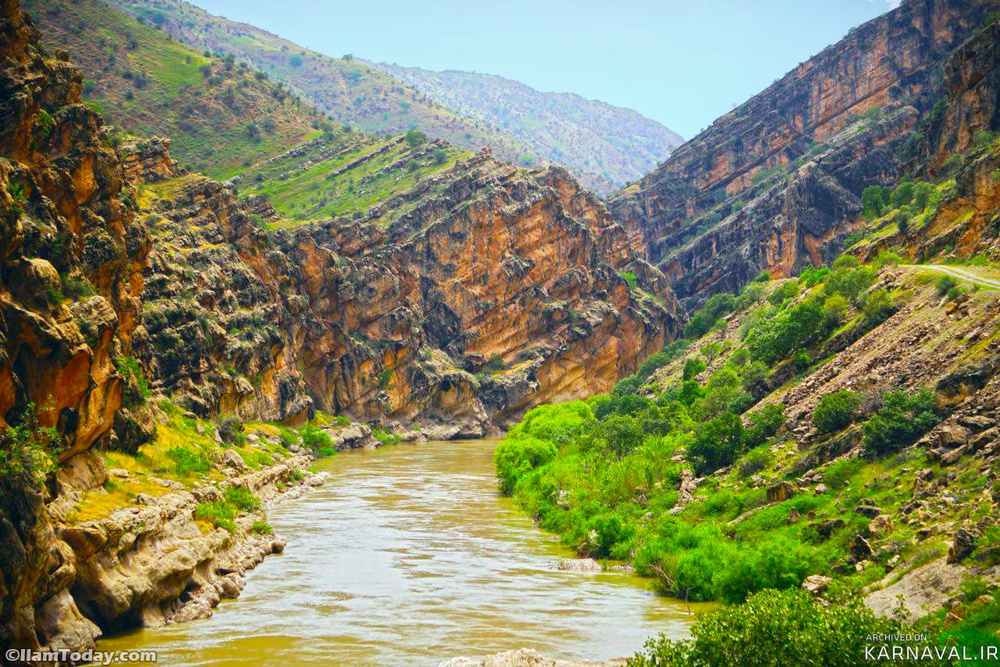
[
  {"x": 71, "y": 254},
  {"x": 505, "y": 289},
  {"x": 750, "y": 193}
]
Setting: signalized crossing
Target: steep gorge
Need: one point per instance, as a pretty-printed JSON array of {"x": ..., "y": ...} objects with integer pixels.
[{"x": 490, "y": 289}]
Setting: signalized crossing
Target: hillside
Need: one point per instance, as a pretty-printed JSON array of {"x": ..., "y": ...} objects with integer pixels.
[
  {"x": 587, "y": 136},
  {"x": 776, "y": 184},
  {"x": 348, "y": 89},
  {"x": 220, "y": 116},
  {"x": 602, "y": 145}
]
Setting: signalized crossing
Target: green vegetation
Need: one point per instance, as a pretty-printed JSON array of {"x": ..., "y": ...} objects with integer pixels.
[
  {"x": 149, "y": 84},
  {"x": 347, "y": 175},
  {"x": 27, "y": 450},
  {"x": 776, "y": 628},
  {"x": 606, "y": 473},
  {"x": 836, "y": 411},
  {"x": 136, "y": 390},
  {"x": 901, "y": 420}
]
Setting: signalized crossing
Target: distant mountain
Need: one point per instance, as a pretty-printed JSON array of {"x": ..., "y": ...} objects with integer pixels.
[
  {"x": 615, "y": 144},
  {"x": 602, "y": 145}
]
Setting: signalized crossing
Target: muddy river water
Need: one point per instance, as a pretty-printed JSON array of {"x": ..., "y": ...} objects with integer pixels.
[{"x": 408, "y": 556}]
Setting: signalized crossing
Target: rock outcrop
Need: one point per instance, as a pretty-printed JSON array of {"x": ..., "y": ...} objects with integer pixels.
[
  {"x": 746, "y": 194},
  {"x": 498, "y": 289},
  {"x": 71, "y": 254}
]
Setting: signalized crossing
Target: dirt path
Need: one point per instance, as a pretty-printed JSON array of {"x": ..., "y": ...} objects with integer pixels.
[{"x": 961, "y": 273}]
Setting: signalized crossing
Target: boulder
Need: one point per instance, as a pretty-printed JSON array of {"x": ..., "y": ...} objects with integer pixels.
[
  {"x": 780, "y": 492},
  {"x": 816, "y": 584},
  {"x": 963, "y": 544}
]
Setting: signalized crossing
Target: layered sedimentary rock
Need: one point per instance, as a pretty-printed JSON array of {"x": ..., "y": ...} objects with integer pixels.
[
  {"x": 71, "y": 255},
  {"x": 887, "y": 64},
  {"x": 498, "y": 289}
]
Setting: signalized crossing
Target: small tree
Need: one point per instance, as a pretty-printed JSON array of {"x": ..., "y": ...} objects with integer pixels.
[{"x": 836, "y": 411}]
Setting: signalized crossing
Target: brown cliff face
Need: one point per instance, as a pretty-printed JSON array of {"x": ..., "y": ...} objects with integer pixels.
[
  {"x": 498, "y": 289},
  {"x": 71, "y": 253},
  {"x": 885, "y": 65}
]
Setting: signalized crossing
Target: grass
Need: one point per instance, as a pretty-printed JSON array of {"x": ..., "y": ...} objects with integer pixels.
[
  {"x": 347, "y": 174},
  {"x": 153, "y": 85},
  {"x": 184, "y": 451}
]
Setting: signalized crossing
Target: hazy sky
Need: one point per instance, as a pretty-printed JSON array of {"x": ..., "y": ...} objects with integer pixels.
[{"x": 682, "y": 63}]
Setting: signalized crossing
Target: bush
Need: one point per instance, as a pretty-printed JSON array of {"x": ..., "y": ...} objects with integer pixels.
[
  {"x": 791, "y": 329},
  {"x": 787, "y": 290},
  {"x": 901, "y": 420},
  {"x": 692, "y": 367},
  {"x": 717, "y": 306},
  {"x": 775, "y": 628},
  {"x": 415, "y": 137},
  {"x": 836, "y": 411},
  {"x": 27, "y": 450},
  {"x": 764, "y": 424},
  {"x": 262, "y": 528},
  {"x": 136, "y": 390},
  {"x": 630, "y": 279},
  {"x": 317, "y": 440},
  {"x": 945, "y": 284},
  {"x": 220, "y": 513},
  {"x": 754, "y": 461},
  {"x": 241, "y": 498},
  {"x": 516, "y": 456},
  {"x": 834, "y": 309},
  {"x": 718, "y": 442},
  {"x": 877, "y": 306},
  {"x": 188, "y": 462}
]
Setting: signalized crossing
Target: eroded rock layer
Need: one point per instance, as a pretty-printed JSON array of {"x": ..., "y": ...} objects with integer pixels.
[
  {"x": 498, "y": 289},
  {"x": 699, "y": 216}
]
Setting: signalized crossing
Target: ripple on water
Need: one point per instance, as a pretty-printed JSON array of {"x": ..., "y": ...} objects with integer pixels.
[{"x": 408, "y": 555}]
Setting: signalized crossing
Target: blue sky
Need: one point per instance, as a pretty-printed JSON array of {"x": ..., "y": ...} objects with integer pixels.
[{"x": 681, "y": 63}]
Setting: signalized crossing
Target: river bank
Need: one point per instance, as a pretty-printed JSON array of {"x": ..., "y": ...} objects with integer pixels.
[{"x": 408, "y": 555}]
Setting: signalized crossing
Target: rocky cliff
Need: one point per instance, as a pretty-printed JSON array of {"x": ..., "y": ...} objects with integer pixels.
[
  {"x": 703, "y": 215},
  {"x": 497, "y": 289},
  {"x": 73, "y": 251}
]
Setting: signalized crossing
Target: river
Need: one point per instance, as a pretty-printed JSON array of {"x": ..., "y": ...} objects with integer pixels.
[{"x": 408, "y": 556}]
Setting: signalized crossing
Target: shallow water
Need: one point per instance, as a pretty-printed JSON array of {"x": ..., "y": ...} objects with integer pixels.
[{"x": 408, "y": 556}]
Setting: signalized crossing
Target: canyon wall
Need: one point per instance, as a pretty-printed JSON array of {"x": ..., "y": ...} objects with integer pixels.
[{"x": 881, "y": 69}]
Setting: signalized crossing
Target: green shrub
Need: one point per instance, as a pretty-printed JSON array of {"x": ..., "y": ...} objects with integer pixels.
[
  {"x": 220, "y": 513},
  {"x": 692, "y": 367},
  {"x": 794, "y": 328},
  {"x": 877, "y": 306},
  {"x": 27, "y": 450},
  {"x": 136, "y": 390},
  {"x": 660, "y": 359},
  {"x": 262, "y": 528},
  {"x": 836, "y": 411},
  {"x": 944, "y": 284},
  {"x": 242, "y": 498},
  {"x": 754, "y": 462},
  {"x": 317, "y": 440},
  {"x": 516, "y": 456},
  {"x": 630, "y": 279},
  {"x": 901, "y": 420},
  {"x": 231, "y": 431},
  {"x": 718, "y": 442},
  {"x": 764, "y": 424},
  {"x": 188, "y": 462},
  {"x": 717, "y": 306},
  {"x": 762, "y": 277},
  {"x": 775, "y": 628},
  {"x": 834, "y": 309},
  {"x": 787, "y": 290}
]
